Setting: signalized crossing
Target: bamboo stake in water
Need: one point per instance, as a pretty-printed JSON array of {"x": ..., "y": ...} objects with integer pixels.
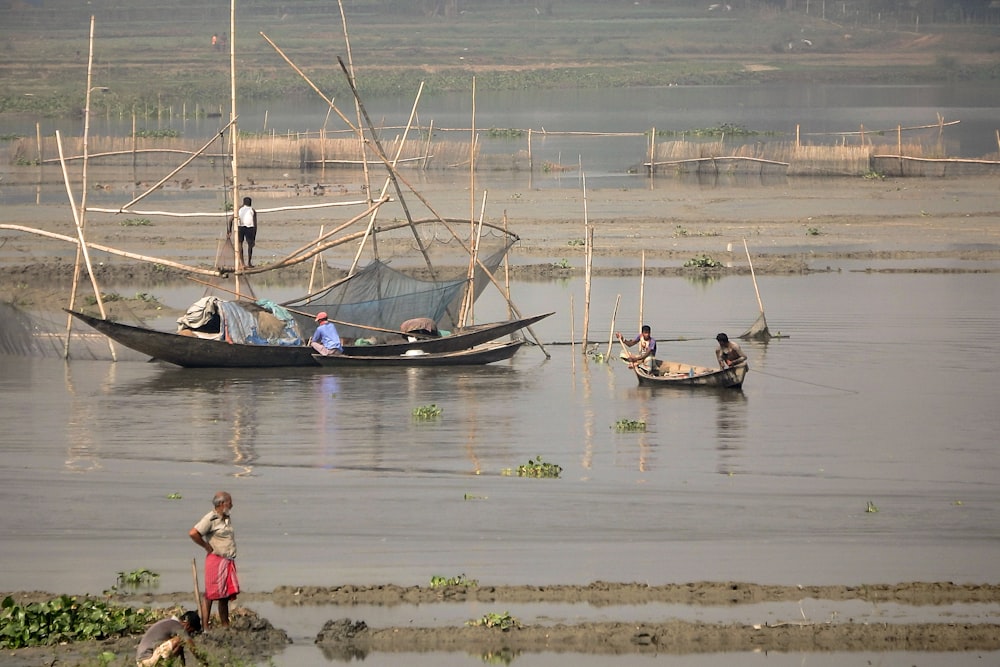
[
  {"x": 614, "y": 316},
  {"x": 642, "y": 289},
  {"x": 760, "y": 304},
  {"x": 587, "y": 239}
]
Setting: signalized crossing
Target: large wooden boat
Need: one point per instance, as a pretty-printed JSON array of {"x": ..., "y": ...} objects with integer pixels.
[
  {"x": 197, "y": 352},
  {"x": 677, "y": 374},
  {"x": 476, "y": 356}
]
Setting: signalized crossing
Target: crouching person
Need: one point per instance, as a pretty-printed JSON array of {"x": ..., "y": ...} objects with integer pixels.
[
  {"x": 326, "y": 340},
  {"x": 167, "y": 638}
]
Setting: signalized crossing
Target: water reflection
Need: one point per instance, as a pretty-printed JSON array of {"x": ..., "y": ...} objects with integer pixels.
[
  {"x": 223, "y": 409},
  {"x": 730, "y": 428},
  {"x": 83, "y": 416}
]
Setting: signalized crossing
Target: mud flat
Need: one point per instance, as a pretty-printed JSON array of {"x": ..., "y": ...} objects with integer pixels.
[{"x": 255, "y": 638}]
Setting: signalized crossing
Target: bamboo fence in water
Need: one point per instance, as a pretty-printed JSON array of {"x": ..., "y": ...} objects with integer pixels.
[{"x": 843, "y": 154}]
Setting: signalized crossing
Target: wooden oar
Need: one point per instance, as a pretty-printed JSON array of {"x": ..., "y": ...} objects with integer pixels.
[{"x": 302, "y": 312}]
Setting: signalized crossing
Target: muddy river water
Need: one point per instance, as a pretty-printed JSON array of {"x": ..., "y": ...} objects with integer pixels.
[{"x": 862, "y": 449}]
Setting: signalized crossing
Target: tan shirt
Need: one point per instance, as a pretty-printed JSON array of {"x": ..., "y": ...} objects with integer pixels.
[{"x": 218, "y": 532}]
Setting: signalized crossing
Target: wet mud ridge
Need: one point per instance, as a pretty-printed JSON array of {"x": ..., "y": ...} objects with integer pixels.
[{"x": 253, "y": 638}]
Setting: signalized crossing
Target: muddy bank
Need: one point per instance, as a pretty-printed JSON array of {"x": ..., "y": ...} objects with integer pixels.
[
  {"x": 254, "y": 638},
  {"x": 795, "y": 227}
]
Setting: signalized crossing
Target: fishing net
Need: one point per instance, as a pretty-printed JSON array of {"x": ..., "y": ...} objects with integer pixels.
[
  {"x": 758, "y": 330},
  {"x": 25, "y": 335},
  {"x": 380, "y": 296}
]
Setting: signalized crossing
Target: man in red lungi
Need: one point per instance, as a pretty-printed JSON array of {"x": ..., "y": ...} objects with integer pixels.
[{"x": 214, "y": 533}]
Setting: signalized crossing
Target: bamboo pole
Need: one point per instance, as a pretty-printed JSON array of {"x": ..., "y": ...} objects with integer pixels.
[
  {"x": 642, "y": 288},
  {"x": 614, "y": 317},
  {"x": 80, "y": 216},
  {"x": 312, "y": 274},
  {"x": 587, "y": 254},
  {"x": 468, "y": 302},
  {"x": 652, "y": 151},
  {"x": 357, "y": 109},
  {"x": 760, "y": 304},
  {"x": 112, "y": 251},
  {"x": 234, "y": 139},
  {"x": 506, "y": 272},
  {"x": 82, "y": 251},
  {"x": 531, "y": 162},
  {"x": 472, "y": 162},
  {"x": 899, "y": 147}
]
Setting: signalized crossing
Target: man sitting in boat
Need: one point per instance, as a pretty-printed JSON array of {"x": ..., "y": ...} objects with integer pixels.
[
  {"x": 420, "y": 327},
  {"x": 326, "y": 340},
  {"x": 728, "y": 353},
  {"x": 647, "y": 349}
]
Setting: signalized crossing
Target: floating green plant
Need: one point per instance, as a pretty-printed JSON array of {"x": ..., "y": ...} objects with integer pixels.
[
  {"x": 431, "y": 411},
  {"x": 629, "y": 425},
  {"x": 536, "y": 468},
  {"x": 702, "y": 262}
]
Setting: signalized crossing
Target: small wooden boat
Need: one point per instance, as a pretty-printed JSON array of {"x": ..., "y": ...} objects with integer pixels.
[
  {"x": 195, "y": 352},
  {"x": 676, "y": 374},
  {"x": 476, "y": 356}
]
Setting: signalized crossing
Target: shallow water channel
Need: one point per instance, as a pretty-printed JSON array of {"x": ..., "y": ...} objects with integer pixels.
[{"x": 882, "y": 392}]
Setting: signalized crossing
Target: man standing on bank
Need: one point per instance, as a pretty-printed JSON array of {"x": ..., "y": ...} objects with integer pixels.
[
  {"x": 728, "y": 353},
  {"x": 214, "y": 533},
  {"x": 246, "y": 229}
]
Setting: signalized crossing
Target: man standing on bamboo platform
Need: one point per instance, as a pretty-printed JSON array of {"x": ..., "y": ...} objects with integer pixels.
[
  {"x": 214, "y": 533},
  {"x": 246, "y": 224}
]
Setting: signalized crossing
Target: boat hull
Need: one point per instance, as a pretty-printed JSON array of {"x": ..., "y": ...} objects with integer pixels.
[
  {"x": 194, "y": 352},
  {"x": 463, "y": 339},
  {"x": 674, "y": 374},
  {"x": 477, "y": 356}
]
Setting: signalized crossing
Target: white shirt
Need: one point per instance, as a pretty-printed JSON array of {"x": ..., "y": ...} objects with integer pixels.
[{"x": 246, "y": 216}]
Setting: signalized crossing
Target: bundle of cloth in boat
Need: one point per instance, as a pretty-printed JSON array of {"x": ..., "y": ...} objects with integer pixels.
[
  {"x": 420, "y": 327},
  {"x": 260, "y": 323}
]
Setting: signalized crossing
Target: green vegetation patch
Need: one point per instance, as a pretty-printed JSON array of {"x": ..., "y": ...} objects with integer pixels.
[
  {"x": 426, "y": 412},
  {"x": 460, "y": 580},
  {"x": 67, "y": 619},
  {"x": 702, "y": 262},
  {"x": 536, "y": 468},
  {"x": 502, "y": 621},
  {"x": 629, "y": 425}
]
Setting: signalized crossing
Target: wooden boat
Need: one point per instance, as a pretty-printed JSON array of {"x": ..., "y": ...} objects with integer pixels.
[
  {"x": 195, "y": 352},
  {"x": 676, "y": 374},
  {"x": 476, "y": 356}
]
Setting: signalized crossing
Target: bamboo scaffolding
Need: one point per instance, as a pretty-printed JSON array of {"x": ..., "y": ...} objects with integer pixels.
[
  {"x": 398, "y": 178},
  {"x": 179, "y": 167},
  {"x": 80, "y": 216}
]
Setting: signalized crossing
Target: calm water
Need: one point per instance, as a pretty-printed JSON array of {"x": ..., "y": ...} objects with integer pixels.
[{"x": 884, "y": 391}]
